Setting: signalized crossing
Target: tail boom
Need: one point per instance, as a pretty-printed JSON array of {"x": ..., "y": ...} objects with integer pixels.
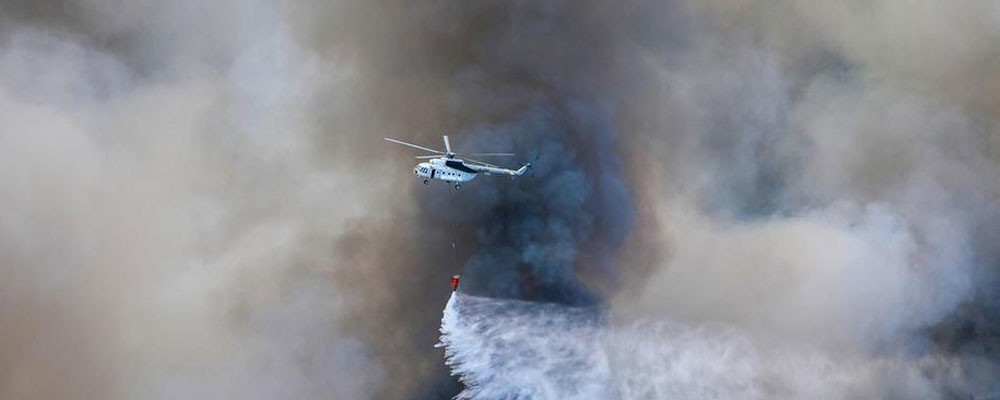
[{"x": 490, "y": 170}]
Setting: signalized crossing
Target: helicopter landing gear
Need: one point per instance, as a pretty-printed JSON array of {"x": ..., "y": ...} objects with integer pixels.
[
  {"x": 425, "y": 181},
  {"x": 458, "y": 187}
]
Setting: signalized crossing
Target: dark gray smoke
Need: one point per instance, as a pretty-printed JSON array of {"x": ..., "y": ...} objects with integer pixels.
[
  {"x": 533, "y": 234},
  {"x": 535, "y": 79},
  {"x": 486, "y": 74}
]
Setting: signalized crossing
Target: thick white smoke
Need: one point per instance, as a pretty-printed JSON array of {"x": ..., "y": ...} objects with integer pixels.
[
  {"x": 164, "y": 230},
  {"x": 816, "y": 176},
  {"x": 854, "y": 278}
]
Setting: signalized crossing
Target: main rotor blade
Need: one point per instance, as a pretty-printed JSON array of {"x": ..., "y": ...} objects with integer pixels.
[
  {"x": 493, "y": 154},
  {"x": 427, "y": 157},
  {"x": 447, "y": 145},
  {"x": 414, "y": 146}
]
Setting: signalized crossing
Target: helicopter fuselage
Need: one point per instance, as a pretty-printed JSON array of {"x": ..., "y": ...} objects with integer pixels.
[
  {"x": 446, "y": 166},
  {"x": 452, "y": 171}
]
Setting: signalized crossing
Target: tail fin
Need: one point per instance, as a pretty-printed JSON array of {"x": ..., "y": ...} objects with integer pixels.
[{"x": 522, "y": 170}]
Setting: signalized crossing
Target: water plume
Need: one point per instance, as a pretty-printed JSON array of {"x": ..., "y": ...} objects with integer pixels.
[{"x": 510, "y": 349}]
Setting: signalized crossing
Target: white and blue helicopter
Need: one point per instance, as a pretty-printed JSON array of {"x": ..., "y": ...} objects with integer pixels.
[{"x": 447, "y": 166}]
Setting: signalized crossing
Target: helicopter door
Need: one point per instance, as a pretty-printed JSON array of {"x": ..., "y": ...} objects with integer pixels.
[{"x": 432, "y": 173}]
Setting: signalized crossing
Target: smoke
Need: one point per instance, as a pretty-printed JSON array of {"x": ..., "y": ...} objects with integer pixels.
[
  {"x": 826, "y": 180},
  {"x": 196, "y": 198},
  {"x": 537, "y": 237},
  {"x": 829, "y": 188},
  {"x": 166, "y": 227},
  {"x": 531, "y": 233}
]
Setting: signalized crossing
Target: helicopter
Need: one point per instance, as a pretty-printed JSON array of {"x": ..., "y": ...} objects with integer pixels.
[{"x": 449, "y": 167}]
